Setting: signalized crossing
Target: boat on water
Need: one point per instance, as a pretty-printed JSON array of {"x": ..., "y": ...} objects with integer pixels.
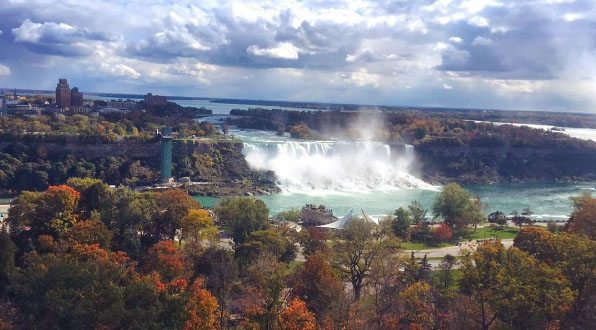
[{"x": 558, "y": 129}]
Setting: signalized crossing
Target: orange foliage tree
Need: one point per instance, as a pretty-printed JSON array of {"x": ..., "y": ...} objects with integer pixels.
[
  {"x": 202, "y": 308},
  {"x": 297, "y": 317},
  {"x": 166, "y": 259}
]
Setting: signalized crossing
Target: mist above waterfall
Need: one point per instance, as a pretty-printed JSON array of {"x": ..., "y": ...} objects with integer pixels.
[{"x": 332, "y": 166}]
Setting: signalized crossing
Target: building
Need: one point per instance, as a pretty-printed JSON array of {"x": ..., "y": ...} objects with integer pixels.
[
  {"x": 151, "y": 99},
  {"x": 76, "y": 97},
  {"x": 312, "y": 215},
  {"x": 63, "y": 94},
  {"x": 127, "y": 104}
]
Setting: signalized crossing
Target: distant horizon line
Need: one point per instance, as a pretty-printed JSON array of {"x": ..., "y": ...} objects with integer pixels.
[{"x": 401, "y": 107}]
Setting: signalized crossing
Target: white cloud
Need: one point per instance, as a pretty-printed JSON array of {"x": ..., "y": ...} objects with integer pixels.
[
  {"x": 571, "y": 17},
  {"x": 479, "y": 21},
  {"x": 447, "y": 86},
  {"x": 119, "y": 70},
  {"x": 362, "y": 78},
  {"x": 284, "y": 50},
  {"x": 482, "y": 41},
  {"x": 456, "y": 40},
  {"x": 4, "y": 70}
]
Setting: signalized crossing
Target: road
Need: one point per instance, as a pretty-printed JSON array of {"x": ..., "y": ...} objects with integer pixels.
[{"x": 456, "y": 251}]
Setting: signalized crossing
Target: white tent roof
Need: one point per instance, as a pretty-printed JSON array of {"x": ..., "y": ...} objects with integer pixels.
[{"x": 343, "y": 221}]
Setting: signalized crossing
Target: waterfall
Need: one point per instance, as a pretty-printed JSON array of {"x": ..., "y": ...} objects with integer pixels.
[{"x": 322, "y": 167}]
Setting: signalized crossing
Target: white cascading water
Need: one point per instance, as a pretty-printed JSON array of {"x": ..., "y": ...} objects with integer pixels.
[{"x": 323, "y": 167}]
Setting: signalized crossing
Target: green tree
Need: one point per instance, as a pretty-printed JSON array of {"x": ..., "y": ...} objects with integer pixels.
[
  {"x": 265, "y": 241},
  {"x": 417, "y": 213},
  {"x": 243, "y": 215},
  {"x": 457, "y": 207},
  {"x": 401, "y": 224}
]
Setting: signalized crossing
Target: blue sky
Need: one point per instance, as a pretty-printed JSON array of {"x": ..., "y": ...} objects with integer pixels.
[{"x": 525, "y": 54}]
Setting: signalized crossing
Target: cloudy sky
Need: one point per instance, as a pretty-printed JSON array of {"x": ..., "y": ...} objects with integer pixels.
[{"x": 518, "y": 54}]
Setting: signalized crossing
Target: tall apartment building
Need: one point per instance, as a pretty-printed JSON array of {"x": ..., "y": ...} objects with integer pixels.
[
  {"x": 76, "y": 97},
  {"x": 63, "y": 94}
]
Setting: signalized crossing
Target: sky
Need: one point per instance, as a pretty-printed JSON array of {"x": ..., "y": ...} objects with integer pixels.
[{"x": 518, "y": 54}]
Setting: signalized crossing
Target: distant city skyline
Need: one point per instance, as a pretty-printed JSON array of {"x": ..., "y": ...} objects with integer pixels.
[{"x": 526, "y": 55}]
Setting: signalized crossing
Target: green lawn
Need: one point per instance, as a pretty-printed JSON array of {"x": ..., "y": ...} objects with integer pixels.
[
  {"x": 491, "y": 232},
  {"x": 422, "y": 246}
]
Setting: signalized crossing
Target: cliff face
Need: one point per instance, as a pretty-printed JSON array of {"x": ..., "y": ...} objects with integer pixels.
[
  {"x": 508, "y": 163},
  {"x": 222, "y": 164},
  {"x": 218, "y": 164}
]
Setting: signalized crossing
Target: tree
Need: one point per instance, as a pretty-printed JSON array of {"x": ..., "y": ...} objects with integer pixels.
[
  {"x": 417, "y": 306},
  {"x": 317, "y": 285},
  {"x": 174, "y": 204},
  {"x": 497, "y": 218},
  {"x": 92, "y": 191},
  {"x": 7, "y": 255},
  {"x": 297, "y": 317},
  {"x": 515, "y": 288},
  {"x": 265, "y": 241},
  {"x": 220, "y": 270},
  {"x": 84, "y": 286},
  {"x": 417, "y": 213},
  {"x": 401, "y": 224},
  {"x": 166, "y": 259},
  {"x": 575, "y": 256},
  {"x": 457, "y": 207},
  {"x": 583, "y": 218},
  {"x": 520, "y": 219},
  {"x": 198, "y": 226},
  {"x": 201, "y": 308},
  {"x": 91, "y": 232},
  {"x": 360, "y": 243},
  {"x": 244, "y": 215},
  {"x": 442, "y": 233}
]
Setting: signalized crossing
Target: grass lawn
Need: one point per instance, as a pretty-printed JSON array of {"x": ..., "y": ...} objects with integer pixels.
[
  {"x": 490, "y": 232},
  {"x": 422, "y": 246}
]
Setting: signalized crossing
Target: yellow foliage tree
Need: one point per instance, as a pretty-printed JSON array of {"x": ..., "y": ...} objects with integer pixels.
[{"x": 198, "y": 225}]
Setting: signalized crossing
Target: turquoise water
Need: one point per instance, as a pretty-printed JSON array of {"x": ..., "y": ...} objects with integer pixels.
[
  {"x": 346, "y": 176},
  {"x": 547, "y": 201}
]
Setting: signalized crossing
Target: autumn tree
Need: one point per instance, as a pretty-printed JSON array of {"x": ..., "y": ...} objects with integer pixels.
[
  {"x": 317, "y": 285},
  {"x": 297, "y": 317},
  {"x": 442, "y": 233},
  {"x": 457, "y": 208},
  {"x": 514, "y": 288},
  {"x": 198, "y": 226},
  {"x": 202, "y": 308},
  {"x": 175, "y": 205},
  {"x": 575, "y": 256},
  {"x": 358, "y": 245},
  {"x": 52, "y": 212},
  {"x": 220, "y": 270},
  {"x": 244, "y": 215},
  {"x": 583, "y": 218},
  {"x": 416, "y": 311},
  {"x": 166, "y": 259},
  {"x": 91, "y": 232}
]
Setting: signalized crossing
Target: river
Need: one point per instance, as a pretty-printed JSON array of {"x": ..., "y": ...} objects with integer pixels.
[{"x": 370, "y": 176}]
